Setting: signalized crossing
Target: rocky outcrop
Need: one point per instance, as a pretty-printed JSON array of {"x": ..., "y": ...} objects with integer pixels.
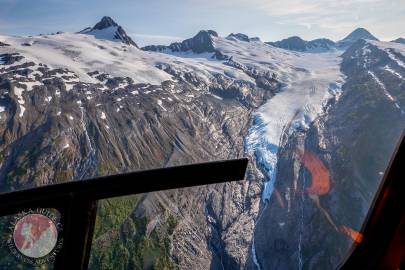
[{"x": 200, "y": 43}]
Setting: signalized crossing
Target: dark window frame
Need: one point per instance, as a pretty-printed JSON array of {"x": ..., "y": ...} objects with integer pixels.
[{"x": 77, "y": 201}]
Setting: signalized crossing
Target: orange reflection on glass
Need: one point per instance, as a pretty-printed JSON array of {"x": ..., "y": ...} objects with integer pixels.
[
  {"x": 355, "y": 235},
  {"x": 320, "y": 184}
]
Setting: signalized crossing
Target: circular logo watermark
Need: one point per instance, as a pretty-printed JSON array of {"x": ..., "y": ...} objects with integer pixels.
[{"x": 35, "y": 236}]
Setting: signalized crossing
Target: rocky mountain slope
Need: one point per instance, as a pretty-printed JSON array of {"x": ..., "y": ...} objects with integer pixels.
[
  {"x": 327, "y": 176},
  {"x": 78, "y": 105}
]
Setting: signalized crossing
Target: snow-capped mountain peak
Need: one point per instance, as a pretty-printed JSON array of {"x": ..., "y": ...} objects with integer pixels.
[
  {"x": 108, "y": 29},
  {"x": 399, "y": 40},
  {"x": 357, "y": 34},
  {"x": 105, "y": 23}
]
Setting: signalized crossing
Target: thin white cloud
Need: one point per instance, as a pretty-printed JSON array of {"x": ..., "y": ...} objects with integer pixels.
[
  {"x": 313, "y": 7},
  {"x": 337, "y": 16}
]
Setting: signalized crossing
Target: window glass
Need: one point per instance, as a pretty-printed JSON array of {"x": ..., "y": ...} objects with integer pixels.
[
  {"x": 125, "y": 229},
  {"x": 312, "y": 93}
]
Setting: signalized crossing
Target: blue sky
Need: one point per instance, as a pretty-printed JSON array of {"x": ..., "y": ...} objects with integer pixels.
[{"x": 164, "y": 21}]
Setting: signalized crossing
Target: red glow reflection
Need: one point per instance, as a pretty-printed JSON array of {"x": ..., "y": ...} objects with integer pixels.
[
  {"x": 355, "y": 235},
  {"x": 320, "y": 184}
]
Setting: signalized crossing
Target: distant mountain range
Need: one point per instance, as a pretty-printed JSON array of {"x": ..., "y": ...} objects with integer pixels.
[
  {"x": 203, "y": 42},
  {"x": 298, "y": 44},
  {"x": 321, "y": 45},
  {"x": 108, "y": 29}
]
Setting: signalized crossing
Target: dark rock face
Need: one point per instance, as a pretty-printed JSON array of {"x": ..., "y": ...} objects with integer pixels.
[
  {"x": 200, "y": 43},
  {"x": 298, "y": 44},
  {"x": 359, "y": 33},
  {"x": 155, "y": 48},
  {"x": 355, "y": 140},
  {"x": 121, "y": 35},
  {"x": 9, "y": 59},
  {"x": 105, "y": 23}
]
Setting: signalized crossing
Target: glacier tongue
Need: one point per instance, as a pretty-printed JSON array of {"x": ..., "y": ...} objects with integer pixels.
[{"x": 316, "y": 80}]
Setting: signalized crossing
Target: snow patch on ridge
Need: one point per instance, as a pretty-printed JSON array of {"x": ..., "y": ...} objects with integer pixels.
[
  {"x": 386, "y": 93},
  {"x": 390, "y": 70}
]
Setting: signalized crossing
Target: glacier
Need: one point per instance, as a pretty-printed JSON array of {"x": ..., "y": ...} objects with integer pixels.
[{"x": 303, "y": 98}]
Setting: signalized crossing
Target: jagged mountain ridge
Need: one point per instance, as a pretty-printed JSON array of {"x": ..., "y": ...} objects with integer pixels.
[
  {"x": 204, "y": 42},
  {"x": 108, "y": 29},
  {"x": 296, "y": 43},
  {"x": 200, "y": 43}
]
